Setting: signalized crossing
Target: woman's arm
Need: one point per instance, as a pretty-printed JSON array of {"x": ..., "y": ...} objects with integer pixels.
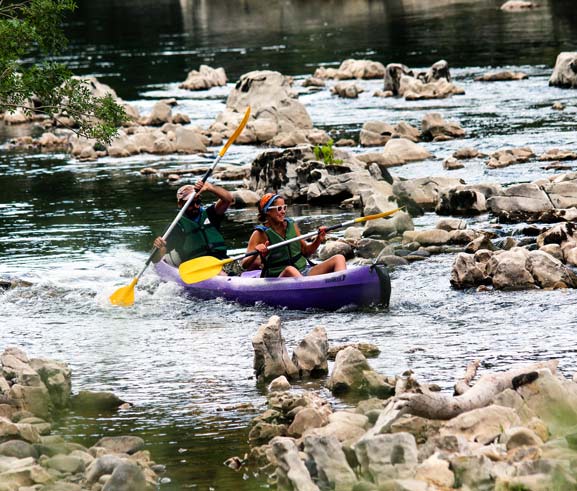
[
  {"x": 309, "y": 248},
  {"x": 258, "y": 241}
]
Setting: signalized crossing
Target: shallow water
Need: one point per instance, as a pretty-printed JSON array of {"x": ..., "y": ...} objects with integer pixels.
[{"x": 80, "y": 230}]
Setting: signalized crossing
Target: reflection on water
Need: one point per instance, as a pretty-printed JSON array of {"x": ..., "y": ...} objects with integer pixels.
[{"x": 79, "y": 230}]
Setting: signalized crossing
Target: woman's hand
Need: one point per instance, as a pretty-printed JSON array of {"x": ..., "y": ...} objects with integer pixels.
[
  {"x": 322, "y": 235},
  {"x": 262, "y": 249}
]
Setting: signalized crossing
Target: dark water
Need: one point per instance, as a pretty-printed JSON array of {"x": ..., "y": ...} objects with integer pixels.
[{"x": 80, "y": 230}]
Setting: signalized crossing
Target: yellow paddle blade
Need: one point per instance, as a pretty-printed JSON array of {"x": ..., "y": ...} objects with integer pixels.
[
  {"x": 237, "y": 132},
  {"x": 201, "y": 268},
  {"x": 378, "y": 215},
  {"x": 124, "y": 297}
]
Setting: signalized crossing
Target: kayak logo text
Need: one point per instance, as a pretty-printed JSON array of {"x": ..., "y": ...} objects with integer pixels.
[{"x": 336, "y": 279}]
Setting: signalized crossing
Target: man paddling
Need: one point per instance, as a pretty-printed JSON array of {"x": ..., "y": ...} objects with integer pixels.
[{"x": 198, "y": 231}]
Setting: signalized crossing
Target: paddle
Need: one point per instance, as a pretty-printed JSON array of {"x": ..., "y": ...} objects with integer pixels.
[
  {"x": 124, "y": 296},
  {"x": 205, "y": 267}
]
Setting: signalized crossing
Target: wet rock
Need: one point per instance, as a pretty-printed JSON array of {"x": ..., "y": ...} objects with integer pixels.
[
  {"x": 558, "y": 154},
  {"x": 466, "y": 272},
  {"x": 65, "y": 464},
  {"x": 467, "y": 153},
  {"x": 518, "y": 5},
  {"x": 127, "y": 476},
  {"x": 565, "y": 72},
  {"x": 19, "y": 449},
  {"x": 393, "y": 74},
  {"x": 205, "y": 78},
  {"x": 291, "y": 471},
  {"x": 306, "y": 419},
  {"x": 452, "y": 164},
  {"x": 314, "y": 82},
  {"x": 501, "y": 76},
  {"x": 279, "y": 384},
  {"x": 375, "y": 133},
  {"x": 87, "y": 401},
  {"x": 504, "y": 158},
  {"x": 461, "y": 200},
  {"x": 359, "y": 69},
  {"x": 367, "y": 349},
  {"x": 352, "y": 373},
  {"x": 434, "y": 126},
  {"x": 520, "y": 202},
  {"x": 310, "y": 356},
  {"x": 346, "y": 90},
  {"x": 121, "y": 444},
  {"x": 335, "y": 247},
  {"x": 325, "y": 455},
  {"x": 271, "y": 358}
]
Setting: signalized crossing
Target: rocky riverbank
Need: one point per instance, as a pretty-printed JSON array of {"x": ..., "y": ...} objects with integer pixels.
[
  {"x": 510, "y": 430},
  {"x": 32, "y": 458}
]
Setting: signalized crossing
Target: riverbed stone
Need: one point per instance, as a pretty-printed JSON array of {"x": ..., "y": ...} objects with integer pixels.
[
  {"x": 121, "y": 444},
  {"x": 18, "y": 448},
  {"x": 127, "y": 476},
  {"x": 65, "y": 464}
]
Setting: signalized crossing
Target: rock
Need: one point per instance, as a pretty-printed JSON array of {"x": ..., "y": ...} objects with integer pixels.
[
  {"x": 291, "y": 471},
  {"x": 102, "y": 466},
  {"x": 18, "y": 449},
  {"x": 501, "y": 76},
  {"x": 65, "y": 464},
  {"x": 549, "y": 272},
  {"x": 504, "y": 158},
  {"x": 367, "y": 349},
  {"x": 508, "y": 270},
  {"x": 520, "y": 202},
  {"x": 517, "y": 5},
  {"x": 205, "y": 78},
  {"x": 436, "y": 471},
  {"x": 87, "y": 401},
  {"x": 403, "y": 150},
  {"x": 314, "y": 82},
  {"x": 305, "y": 419},
  {"x": 359, "y": 69},
  {"x": 352, "y": 373},
  {"x": 271, "y": 359},
  {"x": 127, "y": 476},
  {"x": 482, "y": 425},
  {"x": 558, "y": 154},
  {"x": 326, "y": 456},
  {"x": 450, "y": 224},
  {"x": 375, "y": 133},
  {"x": 279, "y": 384},
  {"x": 269, "y": 95},
  {"x": 467, "y": 153},
  {"x": 335, "y": 247},
  {"x": 565, "y": 71},
  {"x": 310, "y": 356},
  {"x": 57, "y": 379},
  {"x": 387, "y": 456},
  {"x": 161, "y": 114},
  {"x": 452, "y": 164},
  {"x": 243, "y": 198},
  {"x": 393, "y": 74},
  {"x": 519, "y": 437},
  {"x": 434, "y": 126},
  {"x": 346, "y": 90},
  {"x": 466, "y": 272},
  {"x": 121, "y": 444}
]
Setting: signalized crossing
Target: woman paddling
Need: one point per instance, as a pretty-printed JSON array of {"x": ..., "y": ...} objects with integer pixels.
[{"x": 291, "y": 259}]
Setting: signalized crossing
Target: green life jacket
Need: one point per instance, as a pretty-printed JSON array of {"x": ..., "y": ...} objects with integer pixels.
[
  {"x": 289, "y": 255},
  {"x": 201, "y": 238}
]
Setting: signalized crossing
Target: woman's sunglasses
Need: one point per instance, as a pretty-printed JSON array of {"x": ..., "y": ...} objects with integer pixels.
[{"x": 278, "y": 208}]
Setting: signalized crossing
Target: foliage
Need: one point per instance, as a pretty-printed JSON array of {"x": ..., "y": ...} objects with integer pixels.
[
  {"x": 326, "y": 153},
  {"x": 31, "y": 29}
]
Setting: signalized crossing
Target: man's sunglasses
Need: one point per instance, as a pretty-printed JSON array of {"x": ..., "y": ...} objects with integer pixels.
[{"x": 278, "y": 208}]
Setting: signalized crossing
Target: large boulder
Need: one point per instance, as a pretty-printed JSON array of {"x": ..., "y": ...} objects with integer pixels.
[
  {"x": 565, "y": 71},
  {"x": 519, "y": 202},
  {"x": 270, "y": 98}
]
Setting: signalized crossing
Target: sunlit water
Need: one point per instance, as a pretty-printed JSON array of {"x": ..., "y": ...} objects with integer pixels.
[{"x": 79, "y": 230}]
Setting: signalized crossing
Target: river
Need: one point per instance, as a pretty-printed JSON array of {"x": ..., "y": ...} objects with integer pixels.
[{"x": 79, "y": 230}]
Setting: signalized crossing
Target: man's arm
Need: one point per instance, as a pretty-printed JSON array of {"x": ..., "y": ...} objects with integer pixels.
[{"x": 224, "y": 197}]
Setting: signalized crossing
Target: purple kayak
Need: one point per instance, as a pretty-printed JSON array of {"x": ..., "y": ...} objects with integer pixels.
[{"x": 357, "y": 286}]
